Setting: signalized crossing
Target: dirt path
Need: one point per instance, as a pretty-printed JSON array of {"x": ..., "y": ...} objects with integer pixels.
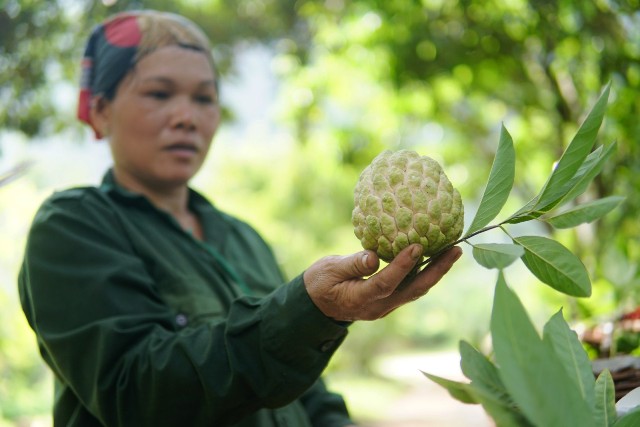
[{"x": 426, "y": 404}]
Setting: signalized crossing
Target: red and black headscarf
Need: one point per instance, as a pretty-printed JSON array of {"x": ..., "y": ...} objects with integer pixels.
[{"x": 116, "y": 45}]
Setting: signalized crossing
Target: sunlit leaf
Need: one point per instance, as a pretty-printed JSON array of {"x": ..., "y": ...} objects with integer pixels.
[
  {"x": 496, "y": 255},
  {"x": 503, "y": 411},
  {"x": 571, "y": 354},
  {"x": 555, "y": 265},
  {"x": 526, "y": 208},
  {"x": 576, "y": 186},
  {"x": 478, "y": 368},
  {"x": 458, "y": 390},
  {"x": 587, "y": 212},
  {"x": 530, "y": 369},
  {"x": 488, "y": 389},
  {"x": 605, "y": 403},
  {"x": 576, "y": 152},
  {"x": 499, "y": 184},
  {"x": 591, "y": 167},
  {"x": 524, "y": 214},
  {"x": 631, "y": 419}
]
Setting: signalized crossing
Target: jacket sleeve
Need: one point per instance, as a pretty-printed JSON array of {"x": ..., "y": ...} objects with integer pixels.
[
  {"x": 106, "y": 332},
  {"x": 325, "y": 409}
]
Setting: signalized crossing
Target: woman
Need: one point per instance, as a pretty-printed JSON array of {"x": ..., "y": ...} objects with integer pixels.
[{"x": 153, "y": 308}]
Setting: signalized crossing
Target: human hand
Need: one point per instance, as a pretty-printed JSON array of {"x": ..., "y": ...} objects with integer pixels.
[{"x": 336, "y": 285}]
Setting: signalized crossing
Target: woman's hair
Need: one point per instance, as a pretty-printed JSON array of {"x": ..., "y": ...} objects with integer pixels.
[
  {"x": 165, "y": 29},
  {"x": 119, "y": 43}
]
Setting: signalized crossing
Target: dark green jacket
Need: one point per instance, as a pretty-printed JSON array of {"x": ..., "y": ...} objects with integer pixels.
[{"x": 143, "y": 325}]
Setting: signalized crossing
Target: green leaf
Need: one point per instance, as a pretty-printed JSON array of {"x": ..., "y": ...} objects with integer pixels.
[
  {"x": 496, "y": 255},
  {"x": 530, "y": 369},
  {"x": 576, "y": 152},
  {"x": 555, "y": 265},
  {"x": 499, "y": 184},
  {"x": 488, "y": 389},
  {"x": 564, "y": 185},
  {"x": 589, "y": 169},
  {"x": 522, "y": 212},
  {"x": 591, "y": 160},
  {"x": 457, "y": 390},
  {"x": 523, "y": 217},
  {"x": 587, "y": 212},
  {"x": 605, "y": 404},
  {"x": 632, "y": 419},
  {"x": 503, "y": 413},
  {"x": 478, "y": 368},
  {"x": 572, "y": 356},
  {"x": 575, "y": 187}
]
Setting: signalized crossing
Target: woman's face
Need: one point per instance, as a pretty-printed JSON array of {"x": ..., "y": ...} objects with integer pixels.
[{"x": 162, "y": 119}]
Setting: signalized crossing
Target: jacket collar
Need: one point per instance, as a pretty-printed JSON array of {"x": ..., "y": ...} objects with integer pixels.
[{"x": 213, "y": 221}]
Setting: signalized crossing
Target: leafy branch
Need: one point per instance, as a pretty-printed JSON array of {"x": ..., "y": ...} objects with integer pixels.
[
  {"x": 539, "y": 380},
  {"x": 547, "y": 259}
]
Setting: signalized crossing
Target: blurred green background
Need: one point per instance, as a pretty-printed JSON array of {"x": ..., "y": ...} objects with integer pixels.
[{"x": 312, "y": 91}]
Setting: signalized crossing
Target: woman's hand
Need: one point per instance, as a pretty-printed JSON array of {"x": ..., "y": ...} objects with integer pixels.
[{"x": 337, "y": 287}]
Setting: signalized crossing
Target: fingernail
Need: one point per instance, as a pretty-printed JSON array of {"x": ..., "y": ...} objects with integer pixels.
[
  {"x": 365, "y": 258},
  {"x": 416, "y": 252}
]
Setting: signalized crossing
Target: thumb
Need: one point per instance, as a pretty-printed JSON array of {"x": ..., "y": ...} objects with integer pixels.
[{"x": 359, "y": 264}]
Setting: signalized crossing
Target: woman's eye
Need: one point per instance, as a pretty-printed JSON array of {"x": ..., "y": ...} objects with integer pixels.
[
  {"x": 158, "y": 94},
  {"x": 205, "y": 99}
]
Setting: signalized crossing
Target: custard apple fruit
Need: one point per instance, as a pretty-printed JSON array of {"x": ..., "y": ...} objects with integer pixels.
[{"x": 403, "y": 198}]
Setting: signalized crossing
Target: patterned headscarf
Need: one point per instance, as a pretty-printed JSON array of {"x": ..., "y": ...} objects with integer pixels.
[{"x": 116, "y": 45}]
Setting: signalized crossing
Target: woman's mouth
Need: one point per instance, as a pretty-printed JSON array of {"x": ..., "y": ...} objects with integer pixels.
[
  {"x": 182, "y": 149},
  {"x": 182, "y": 146}
]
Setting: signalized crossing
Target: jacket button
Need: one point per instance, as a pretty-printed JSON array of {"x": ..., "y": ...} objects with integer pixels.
[
  {"x": 327, "y": 345},
  {"x": 181, "y": 320}
]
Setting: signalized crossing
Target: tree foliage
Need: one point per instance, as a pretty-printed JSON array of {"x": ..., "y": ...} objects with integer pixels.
[
  {"x": 462, "y": 68},
  {"x": 441, "y": 76}
]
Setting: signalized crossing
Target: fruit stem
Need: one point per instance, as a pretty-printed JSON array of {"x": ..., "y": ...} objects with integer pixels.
[{"x": 449, "y": 246}]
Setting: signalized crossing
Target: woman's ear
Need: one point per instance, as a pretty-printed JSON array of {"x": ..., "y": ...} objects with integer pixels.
[{"x": 100, "y": 115}]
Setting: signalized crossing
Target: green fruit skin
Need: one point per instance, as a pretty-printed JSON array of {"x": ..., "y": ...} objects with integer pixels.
[{"x": 403, "y": 198}]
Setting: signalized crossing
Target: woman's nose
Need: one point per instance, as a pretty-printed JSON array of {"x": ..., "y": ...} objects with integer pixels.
[{"x": 183, "y": 114}]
